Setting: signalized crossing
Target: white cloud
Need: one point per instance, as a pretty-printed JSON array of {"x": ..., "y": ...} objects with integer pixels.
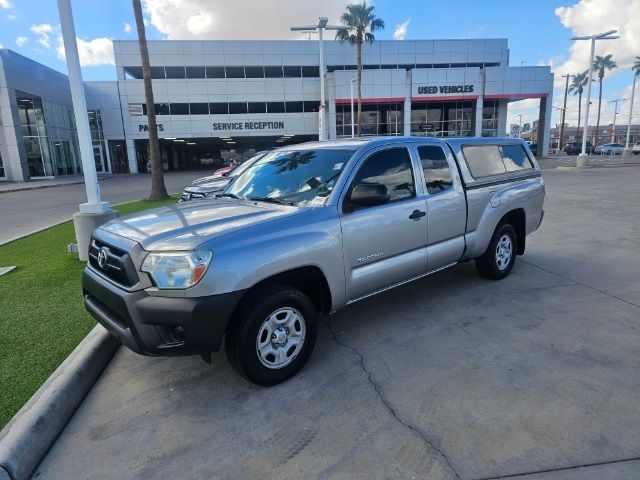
[
  {"x": 43, "y": 31},
  {"x": 401, "y": 30},
  {"x": 219, "y": 19},
  {"x": 594, "y": 16},
  {"x": 12, "y": 16},
  {"x": 5, "y": 4},
  {"x": 98, "y": 51},
  {"x": 22, "y": 41},
  {"x": 127, "y": 28}
]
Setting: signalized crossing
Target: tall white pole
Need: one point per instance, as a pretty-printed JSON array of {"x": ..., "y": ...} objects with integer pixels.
[
  {"x": 633, "y": 92},
  {"x": 93, "y": 205},
  {"x": 586, "y": 113},
  {"x": 353, "y": 125},
  {"x": 322, "y": 116}
]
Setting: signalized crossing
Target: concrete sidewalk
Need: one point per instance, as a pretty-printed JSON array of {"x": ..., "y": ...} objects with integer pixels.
[
  {"x": 9, "y": 186},
  {"x": 449, "y": 377}
]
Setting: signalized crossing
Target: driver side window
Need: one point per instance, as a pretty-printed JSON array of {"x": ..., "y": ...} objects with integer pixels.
[{"x": 391, "y": 168}]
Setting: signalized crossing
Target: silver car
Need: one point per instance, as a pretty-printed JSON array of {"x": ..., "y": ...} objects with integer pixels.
[
  {"x": 610, "y": 149},
  {"x": 304, "y": 231}
]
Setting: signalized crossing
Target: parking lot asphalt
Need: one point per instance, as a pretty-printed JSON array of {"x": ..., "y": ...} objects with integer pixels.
[
  {"x": 28, "y": 211},
  {"x": 449, "y": 377}
]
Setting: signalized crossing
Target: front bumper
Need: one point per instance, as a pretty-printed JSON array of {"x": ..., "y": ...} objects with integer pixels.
[{"x": 160, "y": 326}]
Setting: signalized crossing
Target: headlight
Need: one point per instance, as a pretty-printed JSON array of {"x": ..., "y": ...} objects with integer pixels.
[{"x": 176, "y": 269}]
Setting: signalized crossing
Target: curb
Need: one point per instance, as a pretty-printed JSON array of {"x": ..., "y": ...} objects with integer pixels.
[
  {"x": 40, "y": 187},
  {"x": 27, "y": 437}
]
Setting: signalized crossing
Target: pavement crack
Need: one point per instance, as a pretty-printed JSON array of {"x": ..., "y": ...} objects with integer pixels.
[{"x": 386, "y": 404}]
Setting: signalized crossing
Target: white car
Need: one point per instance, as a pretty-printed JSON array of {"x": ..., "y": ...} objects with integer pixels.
[
  {"x": 636, "y": 148},
  {"x": 610, "y": 149}
]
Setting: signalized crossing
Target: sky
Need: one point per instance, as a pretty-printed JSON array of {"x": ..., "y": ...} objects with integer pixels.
[{"x": 539, "y": 33}]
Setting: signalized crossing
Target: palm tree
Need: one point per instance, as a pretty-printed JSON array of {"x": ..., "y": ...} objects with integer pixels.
[
  {"x": 578, "y": 82},
  {"x": 601, "y": 64},
  {"x": 636, "y": 67},
  {"x": 361, "y": 22},
  {"x": 158, "y": 189}
]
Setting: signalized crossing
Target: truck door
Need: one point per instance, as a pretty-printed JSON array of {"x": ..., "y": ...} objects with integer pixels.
[
  {"x": 386, "y": 243},
  {"x": 446, "y": 206}
]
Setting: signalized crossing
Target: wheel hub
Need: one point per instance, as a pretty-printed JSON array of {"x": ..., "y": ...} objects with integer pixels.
[
  {"x": 504, "y": 252},
  {"x": 279, "y": 336}
]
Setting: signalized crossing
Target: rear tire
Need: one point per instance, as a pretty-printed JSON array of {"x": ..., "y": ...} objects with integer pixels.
[
  {"x": 272, "y": 334},
  {"x": 497, "y": 261}
]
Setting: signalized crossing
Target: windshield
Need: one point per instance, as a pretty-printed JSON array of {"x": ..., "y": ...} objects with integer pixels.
[
  {"x": 238, "y": 169},
  {"x": 291, "y": 177}
]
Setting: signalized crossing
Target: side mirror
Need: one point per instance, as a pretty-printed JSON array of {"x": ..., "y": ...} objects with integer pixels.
[{"x": 368, "y": 195}]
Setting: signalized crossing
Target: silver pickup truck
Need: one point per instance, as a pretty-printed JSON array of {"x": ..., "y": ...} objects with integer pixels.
[{"x": 304, "y": 231}]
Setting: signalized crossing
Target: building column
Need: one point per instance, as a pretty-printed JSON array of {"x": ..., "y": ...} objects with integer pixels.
[
  {"x": 14, "y": 155},
  {"x": 477, "y": 132},
  {"x": 131, "y": 156},
  {"x": 406, "y": 111},
  {"x": 502, "y": 118},
  {"x": 330, "y": 114},
  {"x": 544, "y": 125}
]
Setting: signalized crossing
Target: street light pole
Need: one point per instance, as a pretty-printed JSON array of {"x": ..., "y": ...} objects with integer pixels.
[
  {"x": 564, "y": 111},
  {"x": 581, "y": 161},
  {"x": 520, "y": 124},
  {"x": 320, "y": 27},
  {"x": 94, "y": 212},
  {"x": 615, "y": 113},
  {"x": 633, "y": 93},
  {"x": 353, "y": 125}
]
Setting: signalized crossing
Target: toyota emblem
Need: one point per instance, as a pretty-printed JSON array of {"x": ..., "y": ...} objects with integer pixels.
[{"x": 102, "y": 258}]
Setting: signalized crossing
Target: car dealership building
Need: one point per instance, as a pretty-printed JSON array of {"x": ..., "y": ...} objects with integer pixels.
[{"x": 222, "y": 100}]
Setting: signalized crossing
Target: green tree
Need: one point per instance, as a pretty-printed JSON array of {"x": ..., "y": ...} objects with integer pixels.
[
  {"x": 158, "y": 189},
  {"x": 601, "y": 64},
  {"x": 636, "y": 67},
  {"x": 578, "y": 82},
  {"x": 361, "y": 22}
]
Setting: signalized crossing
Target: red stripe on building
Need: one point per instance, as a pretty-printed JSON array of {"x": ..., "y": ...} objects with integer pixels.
[
  {"x": 443, "y": 99},
  {"x": 342, "y": 101},
  {"x": 515, "y": 96}
]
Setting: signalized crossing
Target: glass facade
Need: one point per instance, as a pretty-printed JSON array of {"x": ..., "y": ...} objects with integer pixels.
[
  {"x": 490, "y": 119},
  {"x": 97, "y": 141},
  {"x": 2, "y": 174},
  {"x": 375, "y": 119},
  {"x": 442, "y": 119},
  {"x": 48, "y": 132}
]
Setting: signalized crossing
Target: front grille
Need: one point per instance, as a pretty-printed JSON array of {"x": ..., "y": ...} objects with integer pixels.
[{"x": 116, "y": 265}]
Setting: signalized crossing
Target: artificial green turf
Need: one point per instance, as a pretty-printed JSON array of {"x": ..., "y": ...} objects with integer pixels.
[{"x": 42, "y": 316}]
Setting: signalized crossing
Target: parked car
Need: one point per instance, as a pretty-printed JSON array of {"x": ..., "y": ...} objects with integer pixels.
[
  {"x": 306, "y": 230},
  {"x": 575, "y": 148},
  {"x": 635, "y": 149},
  {"x": 207, "y": 187},
  {"x": 610, "y": 149}
]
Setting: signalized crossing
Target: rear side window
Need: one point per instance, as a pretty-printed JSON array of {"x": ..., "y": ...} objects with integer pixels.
[
  {"x": 515, "y": 158},
  {"x": 436, "y": 169},
  {"x": 391, "y": 167},
  {"x": 483, "y": 160},
  {"x": 489, "y": 160}
]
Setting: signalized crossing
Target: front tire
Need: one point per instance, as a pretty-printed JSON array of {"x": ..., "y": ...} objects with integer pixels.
[
  {"x": 272, "y": 334},
  {"x": 497, "y": 261}
]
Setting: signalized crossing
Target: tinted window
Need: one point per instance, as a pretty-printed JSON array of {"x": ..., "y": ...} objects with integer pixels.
[
  {"x": 311, "y": 106},
  {"x": 133, "y": 72},
  {"x": 237, "y": 107},
  {"x": 273, "y": 72},
  {"x": 483, "y": 160},
  {"x": 157, "y": 72},
  {"x": 290, "y": 71},
  {"x": 235, "y": 72},
  {"x": 257, "y": 107},
  {"x": 162, "y": 108},
  {"x": 179, "y": 109},
  {"x": 219, "y": 108},
  {"x": 391, "y": 167},
  {"x": 294, "y": 107},
  {"x": 254, "y": 72},
  {"x": 199, "y": 108},
  {"x": 215, "y": 72},
  {"x": 275, "y": 107},
  {"x": 436, "y": 168},
  {"x": 515, "y": 158},
  {"x": 310, "y": 71},
  {"x": 195, "y": 72},
  {"x": 174, "y": 72}
]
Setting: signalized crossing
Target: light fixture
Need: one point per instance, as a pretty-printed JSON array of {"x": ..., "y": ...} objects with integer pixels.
[
  {"x": 231, "y": 143},
  {"x": 191, "y": 143},
  {"x": 226, "y": 138},
  {"x": 288, "y": 135},
  {"x": 170, "y": 138},
  {"x": 179, "y": 140}
]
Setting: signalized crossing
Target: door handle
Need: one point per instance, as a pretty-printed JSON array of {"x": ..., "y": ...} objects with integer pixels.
[{"x": 417, "y": 215}]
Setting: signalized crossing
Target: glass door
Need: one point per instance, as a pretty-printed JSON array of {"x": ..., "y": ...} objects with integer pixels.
[{"x": 98, "y": 156}]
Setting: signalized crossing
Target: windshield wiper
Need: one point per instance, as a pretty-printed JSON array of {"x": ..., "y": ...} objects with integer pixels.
[
  {"x": 230, "y": 195},
  {"x": 270, "y": 200}
]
